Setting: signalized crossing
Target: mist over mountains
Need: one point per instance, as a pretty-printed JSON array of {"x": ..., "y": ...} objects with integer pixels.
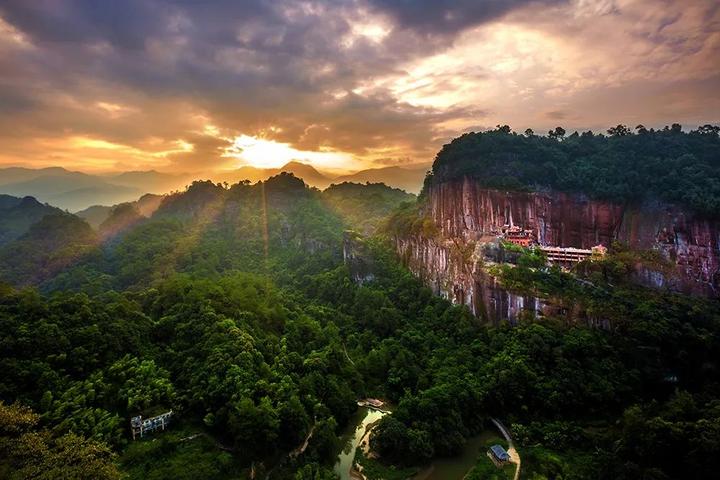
[
  {"x": 409, "y": 179},
  {"x": 76, "y": 191}
]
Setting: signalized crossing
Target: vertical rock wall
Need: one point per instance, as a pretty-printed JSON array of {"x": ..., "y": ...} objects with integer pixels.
[
  {"x": 463, "y": 281},
  {"x": 467, "y": 213}
]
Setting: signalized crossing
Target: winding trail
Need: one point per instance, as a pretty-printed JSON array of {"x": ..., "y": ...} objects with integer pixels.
[
  {"x": 347, "y": 356},
  {"x": 295, "y": 453},
  {"x": 514, "y": 456},
  {"x": 303, "y": 446}
]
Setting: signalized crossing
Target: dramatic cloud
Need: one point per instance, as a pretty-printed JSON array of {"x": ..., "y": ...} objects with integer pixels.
[
  {"x": 182, "y": 85},
  {"x": 447, "y": 17}
]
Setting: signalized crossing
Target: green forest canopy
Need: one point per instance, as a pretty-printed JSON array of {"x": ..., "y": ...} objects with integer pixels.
[
  {"x": 667, "y": 164},
  {"x": 234, "y": 308}
]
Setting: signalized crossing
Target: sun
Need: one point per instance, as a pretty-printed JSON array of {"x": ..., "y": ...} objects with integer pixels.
[
  {"x": 263, "y": 153},
  {"x": 260, "y": 153}
]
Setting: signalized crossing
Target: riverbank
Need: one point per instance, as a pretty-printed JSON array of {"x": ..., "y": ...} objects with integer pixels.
[
  {"x": 358, "y": 461},
  {"x": 352, "y": 438},
  {"x": 457, "y": 467}
]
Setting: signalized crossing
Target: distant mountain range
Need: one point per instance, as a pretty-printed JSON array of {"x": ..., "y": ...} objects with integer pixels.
[
  {"x": 76, "y": 191},
  {"x": 308, "y": 173},
  {"x": 408, "y": 179}
]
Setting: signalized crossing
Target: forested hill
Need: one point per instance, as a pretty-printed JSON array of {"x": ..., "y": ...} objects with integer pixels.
[
  {"x": 277, "y": 225},
  {"x": 202, "y": 308},
  {"x": 622, "y": 166},
  {"x": 54, "y": 243},
  {"x": 233, "y": 307},
  {"x": 364, "y": 206},
  {"x": 18, "y": 214}
]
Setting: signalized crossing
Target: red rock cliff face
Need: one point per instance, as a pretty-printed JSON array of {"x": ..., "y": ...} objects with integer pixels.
[
  {"x": 692, "y": 244},
  {"x": 466, "y": 212},
  {"x": 462, "y": 281}
]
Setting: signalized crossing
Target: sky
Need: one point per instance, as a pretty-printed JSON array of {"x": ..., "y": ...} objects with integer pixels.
[{"x": 191, "y": 86}]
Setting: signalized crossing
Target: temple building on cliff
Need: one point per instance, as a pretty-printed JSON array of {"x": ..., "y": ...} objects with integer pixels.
[
  {"x": 568, "y": 255},
  {"x": 564, "y": 256},
  {"x": 518, "y": 236}
]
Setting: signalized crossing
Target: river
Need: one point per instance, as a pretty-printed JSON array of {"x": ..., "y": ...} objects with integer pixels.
[
  {"x": 351, "y": 438},
  {"x": 453, "y": 468}
]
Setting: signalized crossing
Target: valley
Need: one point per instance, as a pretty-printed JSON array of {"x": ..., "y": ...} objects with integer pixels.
[
  {"x": 359, "y": 240},
  {"x": 260, "y": 313}
]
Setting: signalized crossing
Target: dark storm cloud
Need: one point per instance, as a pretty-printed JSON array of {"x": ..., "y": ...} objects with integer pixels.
[
  {"x": 124, "y": 24},
  {"x": 447, "y": 17},
  {"x": 13, "y": 101}
]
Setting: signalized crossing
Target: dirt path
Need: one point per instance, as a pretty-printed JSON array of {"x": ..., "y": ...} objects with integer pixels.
[
  {"x": 514, "y": 455},
  {"x": 301, "y": 449},
  {"x": 348, "y": 356}
]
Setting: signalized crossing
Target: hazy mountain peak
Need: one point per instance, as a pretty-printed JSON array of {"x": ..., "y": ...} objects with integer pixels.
[
  {"x": 295, "y": 165},
  {"x": 121, "y": 217},
  {"x": 28, "y": 201}
]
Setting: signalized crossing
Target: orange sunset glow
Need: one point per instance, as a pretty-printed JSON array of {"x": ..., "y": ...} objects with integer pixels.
[
  {"x": 342, "y": 86},
  {"x": 359, "y": 239}
]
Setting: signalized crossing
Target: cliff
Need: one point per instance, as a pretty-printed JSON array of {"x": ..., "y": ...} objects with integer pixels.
[
  {"x": 469, "y": 218},
  {"x": 357, "y": 258}
]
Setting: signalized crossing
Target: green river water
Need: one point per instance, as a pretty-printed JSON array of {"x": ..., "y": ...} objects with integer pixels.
[
  {"x": 351, "y": 438},
  {"x": 441, "y": 469}
]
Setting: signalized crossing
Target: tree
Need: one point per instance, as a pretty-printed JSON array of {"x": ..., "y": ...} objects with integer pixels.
[
  {"x": 26, "y": 452},
  {"x": 255, "y": 427},
  {"x": 619, "y": 131},
  {"x": 712, "y": 130},
  {"x": 314, "y": 471},
  {"x": 557, "y": 134},
  {"x": 390, "y": 438},
  {"x": 138, "y": 385},
  {"x": 594, "y": 165},
  {"x": 529, "y": 133}
]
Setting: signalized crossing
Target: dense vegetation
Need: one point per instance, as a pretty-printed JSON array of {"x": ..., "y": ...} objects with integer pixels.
[
  {"x": 48, "y": 247},
  {"x": 29, "y": 452},
  {"x": 365, "y": 206},
  {"x": 234, "y": 308},
  {"x": 669, "y": 164},
  {"x": 17, "y": 215},
  {"x": 579, "y": 399}
]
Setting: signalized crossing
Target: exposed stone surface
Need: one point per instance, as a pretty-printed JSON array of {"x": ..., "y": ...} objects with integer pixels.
[
  {"x": 466, "y": 210},
  {"x": 468, "y": 216},
  {"x": 464, "y": 282},
  {"x": 358, "y": 260}
]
